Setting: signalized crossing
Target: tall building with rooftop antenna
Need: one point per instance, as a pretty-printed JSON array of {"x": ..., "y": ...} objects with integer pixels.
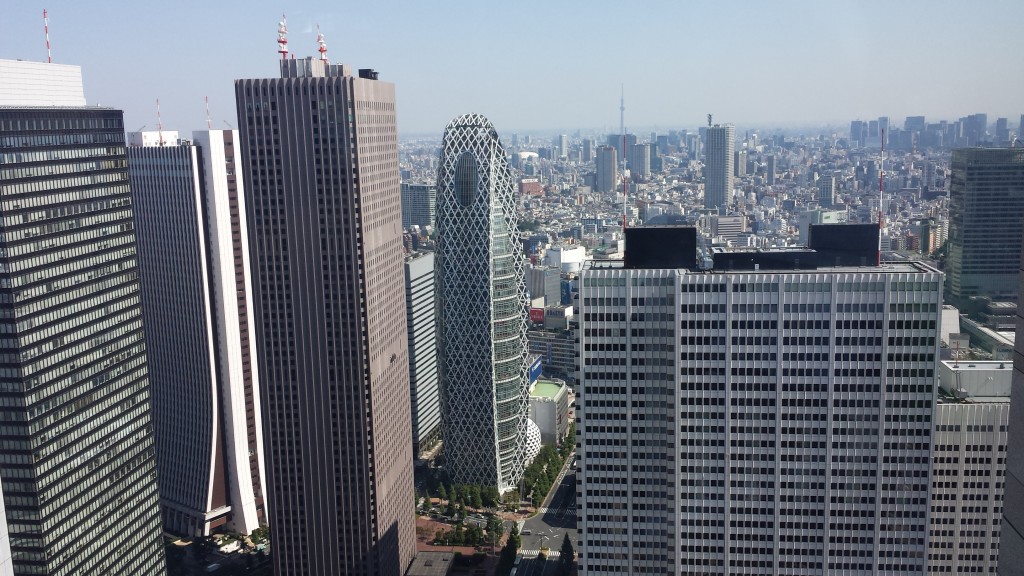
[{"x": 320, "y": 155}]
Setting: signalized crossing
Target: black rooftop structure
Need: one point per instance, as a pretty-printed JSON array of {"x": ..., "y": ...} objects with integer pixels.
[
  {"x": 845, "y": 244},
  {"x": 661, "y": 247}
]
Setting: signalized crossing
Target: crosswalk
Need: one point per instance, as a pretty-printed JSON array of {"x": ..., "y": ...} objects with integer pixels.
[
  {"x": 558, "y": 511},
  {"x": 535, "y": 553}
]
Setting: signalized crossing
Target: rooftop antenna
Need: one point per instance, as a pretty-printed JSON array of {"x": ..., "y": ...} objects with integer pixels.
[
  {"x": 323, "y": 44},
  {"x": 881, "y": 196},
  {"x": 282, "y": 37},
  {"x": 622, "y": 117},
  {"x": 159, "y": 122},
  {"x": 709, "y": 120},
  {"x": 209, "y": 125},
  {"x": 46, "y": 30}
]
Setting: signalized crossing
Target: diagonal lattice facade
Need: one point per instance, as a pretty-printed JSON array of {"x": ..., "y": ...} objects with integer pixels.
[{"x": 481, "y": 310}]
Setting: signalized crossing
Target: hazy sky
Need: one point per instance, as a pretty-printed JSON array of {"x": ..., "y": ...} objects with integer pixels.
[{"x": 554, "y": 64}]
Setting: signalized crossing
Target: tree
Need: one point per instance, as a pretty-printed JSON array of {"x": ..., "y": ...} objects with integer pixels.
[
  {"x": 175, "y": 556},
  {"x": 495, "y": 528},
  {"x": 476, "y": 499},
  {"x": 567, "y": 557},
  {"x": 490, "y": 496},
  {"x": 509, "y": 551},
  {"x": 439, "y": 537},
  {"x": 442, "y": 494},
  {"x": 201, "y": 549}
]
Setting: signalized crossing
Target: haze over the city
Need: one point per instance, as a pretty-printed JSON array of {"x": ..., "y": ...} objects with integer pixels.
[{"x": 535, "y": 65}]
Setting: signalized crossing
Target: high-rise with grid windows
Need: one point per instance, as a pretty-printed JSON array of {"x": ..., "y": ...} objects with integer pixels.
[
  {"x": 771, "y": 418},
  {"x": 78, "y": 467},
  {"x": 320, "y": 155}
]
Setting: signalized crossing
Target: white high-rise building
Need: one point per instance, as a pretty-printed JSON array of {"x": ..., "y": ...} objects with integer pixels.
[
  {"x": 718, "y": 167},
  {"x": 481, "y": 311},
  {"x": 197, "y": 303},
  {"x": 766, "y": 421}
]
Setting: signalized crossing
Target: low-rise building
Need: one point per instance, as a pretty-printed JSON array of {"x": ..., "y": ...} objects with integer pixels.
[{"x": 549, "y": 410}]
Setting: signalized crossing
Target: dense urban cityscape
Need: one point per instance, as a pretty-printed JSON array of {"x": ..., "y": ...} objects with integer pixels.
[{"x": 312, "y": 343}]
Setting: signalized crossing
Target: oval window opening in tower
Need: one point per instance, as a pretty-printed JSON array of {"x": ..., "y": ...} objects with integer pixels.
[{"x": 466, "y": 178}]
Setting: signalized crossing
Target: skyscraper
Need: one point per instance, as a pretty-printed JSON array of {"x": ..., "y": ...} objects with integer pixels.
[
  {"x": 827, "y": 191},
  {"x": 639, "y": 161},
  {"x": 1011, "y": 538},
  {"x": 588, "y": 150},
  {"x": 986, "y": 208},
  {"x": 78, "y": 467},
  {"x": 770, "y": 169},
  {"x": 418, "y": 204},
  {"x": 718, "y": 171},
  {"x": 763, "y": 420},
  {"x": 481, "y": 305},
  {"x": 739, "y": 163},
  {"x": 319, "y": 149},
  {"x": 197, "y": 302},
  {"x": 968, "y": 466},
  {"x": 421, "y": 315},
  {"x": 607, "y": 169}
]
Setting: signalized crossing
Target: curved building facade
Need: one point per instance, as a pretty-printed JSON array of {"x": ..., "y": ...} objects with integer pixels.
[{"x": 481, "y": 310}]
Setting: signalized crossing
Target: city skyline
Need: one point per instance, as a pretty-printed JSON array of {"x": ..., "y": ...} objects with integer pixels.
[{"x": 740, "y": 69}]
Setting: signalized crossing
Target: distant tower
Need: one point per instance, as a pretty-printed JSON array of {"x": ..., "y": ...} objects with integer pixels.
[
  {"x": 718, "y": 170},
  {"x": 622, "y": 111},
  {"x": 481, "y": 310},
  {"x": 826, "y": 191},
  {"x": 770, "y": 165},
  {"x": 607, "y": 169}
]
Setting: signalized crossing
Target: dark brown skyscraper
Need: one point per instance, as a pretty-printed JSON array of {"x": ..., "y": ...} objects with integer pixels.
[{"x": 319, "y": 149}]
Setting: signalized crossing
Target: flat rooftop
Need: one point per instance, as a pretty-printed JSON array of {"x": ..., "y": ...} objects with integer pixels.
[
  {"x": 429, "y": 563},
  {"x": 912, "y": 267},
  {"x": 545, "y": 389}
]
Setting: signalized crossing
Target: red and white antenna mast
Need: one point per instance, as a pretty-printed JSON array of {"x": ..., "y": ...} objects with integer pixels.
[
  {"x": 46, "y": 30},
  {"x": 159, "y": 122},
  {"x": 282, "y": 37},
  {"x": 209, "y": 125},
  {"x": 323, "y": 44},
  {"x": 881, "y": 196}
]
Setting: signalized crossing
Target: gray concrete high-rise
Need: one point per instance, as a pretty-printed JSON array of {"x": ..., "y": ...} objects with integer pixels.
[
  {"x": 639, "y": 161},
  {"x": 587, "y": 150},
  {"x": 607, "y": 169},
  {"x": 419, "y": 201},
  {"x": 770, "y": 169},
  {"x": 421, "y": 316},
  {"x": 1011, "y": 538},
  {"x": 718, "y": 170},
  {"x": 78, "y": 467},
  {"x": 320, "y": 155},
  {"x": 197, "y": 302},
  {"x": 481, "y": 309},
  {"x": 986, "y": 223},
  {"x": 827, "y": 191}
]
